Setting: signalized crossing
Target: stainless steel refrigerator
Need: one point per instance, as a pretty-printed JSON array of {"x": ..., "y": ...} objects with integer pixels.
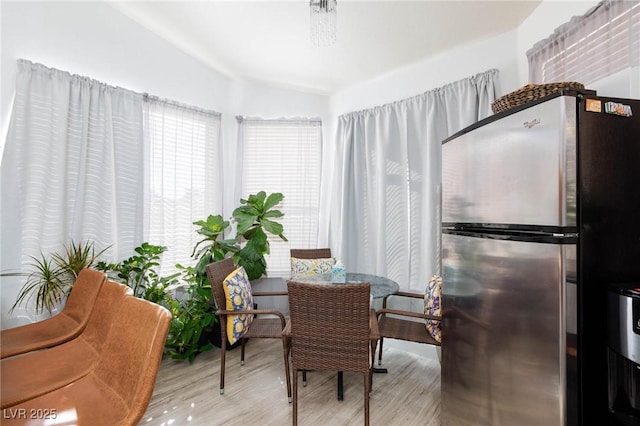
[{"x": 540, "y": 214}]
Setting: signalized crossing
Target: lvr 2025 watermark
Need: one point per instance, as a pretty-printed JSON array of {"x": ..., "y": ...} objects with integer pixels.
[{"x": 31, "y": 413}]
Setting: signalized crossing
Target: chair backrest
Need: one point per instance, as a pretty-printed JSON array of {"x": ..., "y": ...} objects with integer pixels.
[
  {"x": 131, "y": 355},
  {"x": 319, "y": 253},
  {"x": 111, "y": 296},
  {"x": 58, "y": 329},
  {"x": 83, "y": 295},
  {"x": 217, "y": 272},
  {"x": 306, "y": 262},
  {"x": 329, "y": 326}
]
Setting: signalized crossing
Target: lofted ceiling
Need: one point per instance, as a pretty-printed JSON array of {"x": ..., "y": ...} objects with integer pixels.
[{"x": 268, "y": 41}]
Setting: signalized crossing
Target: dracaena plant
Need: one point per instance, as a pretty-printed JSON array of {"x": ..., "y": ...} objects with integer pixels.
[
  {"x": 255, "y": 218},
  {"x": 51, "y": 276}
]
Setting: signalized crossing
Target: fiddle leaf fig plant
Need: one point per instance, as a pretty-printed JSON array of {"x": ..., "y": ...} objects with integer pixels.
[
  {"x": 212, "y": 247},
  {"x": 255, "y": 217}
]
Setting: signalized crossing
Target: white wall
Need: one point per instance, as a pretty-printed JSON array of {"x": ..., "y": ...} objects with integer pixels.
[
  {"x": 506, "y": 52},
  {"x": 497, "y": 52},
  {"x": 95, "y": 40}
]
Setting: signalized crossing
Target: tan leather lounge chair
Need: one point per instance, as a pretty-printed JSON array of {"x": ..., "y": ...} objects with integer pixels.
[
  {"x": 60, "y": 328},
  {"x": 35, "y": 373},
  {"x": 119, "y": 387}
]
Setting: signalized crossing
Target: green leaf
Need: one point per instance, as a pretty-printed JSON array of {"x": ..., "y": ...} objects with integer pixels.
[
  {"x": 273, "y": 227},
  {"x": 273, "y": 200},
  {"x": 274, "y": 214},
  {"x": 257, "y": 200}
]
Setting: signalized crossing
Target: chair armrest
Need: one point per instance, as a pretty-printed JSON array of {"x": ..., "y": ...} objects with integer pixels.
[
  {"x": 255, "y": 312},
  {"x": 270, "y": 293},
  {"x": 286, "y": 332},
  {"x": 409, "y": 294},
  {"x": 420, "y": 315},
  {"x": 374, "y": 331}
]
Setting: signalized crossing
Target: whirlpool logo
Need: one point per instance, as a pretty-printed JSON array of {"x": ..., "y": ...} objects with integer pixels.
[{"x": 530, "y": 124}]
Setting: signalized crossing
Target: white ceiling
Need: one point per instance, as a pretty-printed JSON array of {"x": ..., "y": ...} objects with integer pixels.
[{"x": 268, "y": 41}]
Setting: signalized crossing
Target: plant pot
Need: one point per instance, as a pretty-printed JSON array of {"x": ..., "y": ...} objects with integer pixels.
[{"x": 215, "y": 336}]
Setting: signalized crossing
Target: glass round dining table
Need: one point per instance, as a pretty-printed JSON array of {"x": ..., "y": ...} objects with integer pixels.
[{"x": 380, "y": 286}]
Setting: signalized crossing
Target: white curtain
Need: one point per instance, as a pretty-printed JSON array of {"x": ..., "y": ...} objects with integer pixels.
[
  {"x": 85, "y": 161},
  {"x": 588, "y": 48},
  {"x": 385, "y": 207},
  {"x": 71, "y": 167}
]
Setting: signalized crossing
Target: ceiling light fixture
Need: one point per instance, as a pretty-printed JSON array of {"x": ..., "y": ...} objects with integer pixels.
[{"x": 323, "y": 22}]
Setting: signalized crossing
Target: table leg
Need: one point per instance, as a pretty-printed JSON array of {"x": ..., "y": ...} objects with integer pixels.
[
  {"x": 340, "y": 387},
  {"x": 379, "y": 370}
]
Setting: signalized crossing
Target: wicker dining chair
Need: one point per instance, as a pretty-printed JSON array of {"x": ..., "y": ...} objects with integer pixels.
[
  {"x": 402, "y": 324},
  {"x": 319, "y": 254},
  {"x": 269, "y": 326},
  {"x": 308, "y": 254},
  {"x": 332, "y": 327}
]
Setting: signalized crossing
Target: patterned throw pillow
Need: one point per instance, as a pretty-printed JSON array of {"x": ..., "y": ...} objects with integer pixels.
[
  {"x": 432, "y": 306},
  {"x": 307, "y": 267},
  {"x": 237, "y": 291}
]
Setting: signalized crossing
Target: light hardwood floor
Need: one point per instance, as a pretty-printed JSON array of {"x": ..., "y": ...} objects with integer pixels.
[{"x": 255, "y": 394}]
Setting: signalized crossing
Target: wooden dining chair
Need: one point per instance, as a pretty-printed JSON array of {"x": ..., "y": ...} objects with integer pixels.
[
  {"x": 332, "y": 327},
  {"x": 269, "y": 325}
]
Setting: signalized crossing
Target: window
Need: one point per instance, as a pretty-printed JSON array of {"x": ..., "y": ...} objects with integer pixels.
[
  {"x": 284, "y": 156},
  {"x": 184, "y": 175},
  {"x": 591, "y": 47}
]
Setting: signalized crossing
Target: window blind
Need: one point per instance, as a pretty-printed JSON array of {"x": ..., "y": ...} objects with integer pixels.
[
  {"x": 183, "y": 173},
  {"x": 284, "y": 156}
]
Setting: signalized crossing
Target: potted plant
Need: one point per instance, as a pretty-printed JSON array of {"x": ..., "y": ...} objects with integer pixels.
[
  {"x": 139, "y": 271},
  {"x": 200, "y": 308},
  {"x": 192, "y": 318},
  {"x": 254, "y": 219},
  {"x": 52, "y": 276},
  {"x": 189, "y": 316}
]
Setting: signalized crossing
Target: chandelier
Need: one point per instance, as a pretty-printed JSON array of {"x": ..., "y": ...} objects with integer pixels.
[{"x": 323, "y": 22}]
